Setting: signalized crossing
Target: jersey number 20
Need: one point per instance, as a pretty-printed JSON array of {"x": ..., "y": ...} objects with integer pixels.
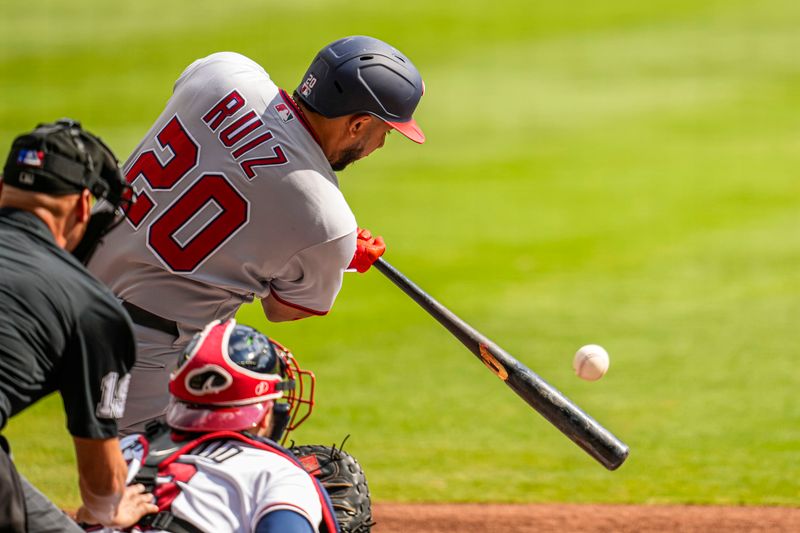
[{"x": 165, "y": 232}]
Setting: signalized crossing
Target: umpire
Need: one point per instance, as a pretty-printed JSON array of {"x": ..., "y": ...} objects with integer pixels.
[{"x": 60, "y": 329}]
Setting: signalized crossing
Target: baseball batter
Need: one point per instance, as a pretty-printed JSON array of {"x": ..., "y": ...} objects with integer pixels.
[{"x": 237, "y": 198}]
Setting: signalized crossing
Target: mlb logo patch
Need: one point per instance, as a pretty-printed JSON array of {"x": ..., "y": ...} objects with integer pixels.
[
  {"x": 305, "y": 89},
  {"x": 284, "y": 112},
  {"x": 30, "y": 158}
]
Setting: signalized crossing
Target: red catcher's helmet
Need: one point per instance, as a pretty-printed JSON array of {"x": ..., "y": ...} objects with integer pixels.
[{"x": 229, "y": 377}]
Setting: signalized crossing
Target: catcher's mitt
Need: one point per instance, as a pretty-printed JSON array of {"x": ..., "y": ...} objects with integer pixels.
[{"x": 344, "y": 479}]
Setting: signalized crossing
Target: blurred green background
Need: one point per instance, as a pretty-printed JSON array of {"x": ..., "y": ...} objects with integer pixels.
[{"x": 620, "y": 172}]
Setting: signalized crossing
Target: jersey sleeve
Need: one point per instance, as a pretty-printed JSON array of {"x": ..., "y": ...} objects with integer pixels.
[
  {"x": 95, "y": 373},
  {"x": 214, "y": 68},
  {"x": 291, "y": 489},
  {"x": 312, "y": 278}
]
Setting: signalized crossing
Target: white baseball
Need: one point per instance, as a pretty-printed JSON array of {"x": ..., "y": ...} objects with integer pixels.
[{"x": 591, "y": 362}]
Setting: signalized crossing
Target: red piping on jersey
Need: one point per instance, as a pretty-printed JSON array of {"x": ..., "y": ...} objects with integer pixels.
[
  {"x": 300, "y": 115},
  {"x": 285, "y": 504},
  {"x": 297, "y": 306}
]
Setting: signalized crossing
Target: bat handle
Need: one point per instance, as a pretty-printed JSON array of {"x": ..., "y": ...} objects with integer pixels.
[{"x": 465, "y": 333}]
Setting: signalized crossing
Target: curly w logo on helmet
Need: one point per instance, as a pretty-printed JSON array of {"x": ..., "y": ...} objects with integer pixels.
[{"x": 209, "y": 379}]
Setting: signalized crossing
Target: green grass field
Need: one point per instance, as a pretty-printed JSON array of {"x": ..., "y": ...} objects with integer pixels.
[{"x": 621, "y": 173}]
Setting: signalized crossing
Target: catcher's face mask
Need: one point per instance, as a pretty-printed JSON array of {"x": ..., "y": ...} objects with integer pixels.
[
  {"x": 62, "y": 158},
  {"x": 230, "y": 376}
]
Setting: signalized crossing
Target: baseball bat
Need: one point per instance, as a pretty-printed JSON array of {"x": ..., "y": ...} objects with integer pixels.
[{"x": 570, "y": 419}]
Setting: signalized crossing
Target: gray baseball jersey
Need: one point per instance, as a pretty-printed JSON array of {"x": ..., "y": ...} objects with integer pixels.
[{"x": 235, "y": 199}]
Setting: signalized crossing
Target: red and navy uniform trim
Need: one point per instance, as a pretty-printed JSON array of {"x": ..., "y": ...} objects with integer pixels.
[
  {"x": 328, "y": 525},
  {"x": 297, "y": 306},
  {"x": 299, "y": 113}
]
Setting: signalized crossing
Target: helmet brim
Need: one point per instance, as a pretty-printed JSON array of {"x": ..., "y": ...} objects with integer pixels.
[
  {"x": 202, "y": 418},
  {"x": 410, "y": 129}
]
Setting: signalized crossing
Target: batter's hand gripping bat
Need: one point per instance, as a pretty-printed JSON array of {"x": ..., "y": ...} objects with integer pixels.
[{"x": 584, "y": 431}]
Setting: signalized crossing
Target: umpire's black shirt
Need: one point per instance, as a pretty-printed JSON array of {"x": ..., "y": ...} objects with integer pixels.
[{"x": 60, "y": 330}]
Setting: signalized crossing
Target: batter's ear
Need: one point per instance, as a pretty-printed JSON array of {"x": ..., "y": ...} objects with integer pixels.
[{"x": 358, "y": 123}]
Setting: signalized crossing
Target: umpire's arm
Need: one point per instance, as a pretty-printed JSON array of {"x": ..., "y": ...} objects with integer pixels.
[
  {"x": 101, "y": 475},
  {"x": 106, "y": 499},
  {"x": 94, "y": 383}
]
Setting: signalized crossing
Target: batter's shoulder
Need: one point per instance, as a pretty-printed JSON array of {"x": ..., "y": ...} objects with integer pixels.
[{"x": 220, "y": 64}]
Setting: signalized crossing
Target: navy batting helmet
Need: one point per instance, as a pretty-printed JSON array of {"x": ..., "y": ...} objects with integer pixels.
[{"x": 361, "y": 74}]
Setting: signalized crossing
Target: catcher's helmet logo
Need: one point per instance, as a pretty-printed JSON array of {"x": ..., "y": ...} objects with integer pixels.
[{"x": 208, "y": 379}]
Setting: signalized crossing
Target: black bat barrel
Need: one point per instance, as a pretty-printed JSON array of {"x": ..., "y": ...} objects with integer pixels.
[{"x": 570, "y": 419}]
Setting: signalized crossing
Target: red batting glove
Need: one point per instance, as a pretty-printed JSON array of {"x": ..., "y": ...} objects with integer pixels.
[{"x": 368, "y": 250}]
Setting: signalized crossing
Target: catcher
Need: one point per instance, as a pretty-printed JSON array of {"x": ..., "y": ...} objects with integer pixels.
[{"x": 215, "y": 464}]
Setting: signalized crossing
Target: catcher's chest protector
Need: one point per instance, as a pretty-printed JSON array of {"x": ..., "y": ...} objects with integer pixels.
[{"x": 156, "y": 460}]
